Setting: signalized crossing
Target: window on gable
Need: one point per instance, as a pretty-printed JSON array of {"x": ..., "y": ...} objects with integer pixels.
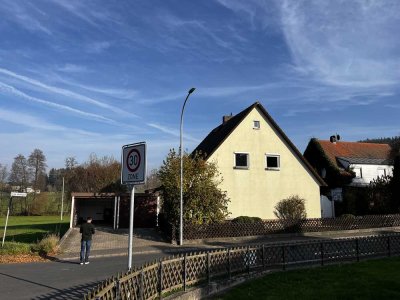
[
  {"x": 256, "y": 124},
  {"x": 273, "y": 161},
  {"x": 241, "y": 160}
]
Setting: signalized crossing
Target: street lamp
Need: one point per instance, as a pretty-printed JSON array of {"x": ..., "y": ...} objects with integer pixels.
[{"x": 181, "y": 156}]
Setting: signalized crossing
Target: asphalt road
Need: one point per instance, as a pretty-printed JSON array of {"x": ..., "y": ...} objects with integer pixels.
[{"x": 61, "y": 279}]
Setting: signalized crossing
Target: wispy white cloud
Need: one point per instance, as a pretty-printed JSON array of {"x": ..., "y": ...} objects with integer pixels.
[
  {"x": 92, "y": 14},
  {"x": 344, "y": 43},
  {"x": 97, "y": 47},
  {"x": 7, "y": 89},
  {"x": 72, "y": 68},
  {"x": 109, "y": 91},
  {"x": 172, "y": 132},
  {"x": 27, "y": 120},
  {"x": 25, "y": 15},
  {"x": 259, "y": 13},
  {"x": 66, "y": 93},
  {"x": 33, "y": 122}
]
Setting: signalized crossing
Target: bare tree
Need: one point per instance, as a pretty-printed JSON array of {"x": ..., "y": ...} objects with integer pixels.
[
  {"x": 37, "y": 165},
  {"x": 19, "y": 175},
  {"x": 70, "y": 162},
  {"x": 3, "y": 175}
]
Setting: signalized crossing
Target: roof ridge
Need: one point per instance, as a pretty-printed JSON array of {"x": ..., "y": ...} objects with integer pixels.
[{"x": 350, "y": 142}]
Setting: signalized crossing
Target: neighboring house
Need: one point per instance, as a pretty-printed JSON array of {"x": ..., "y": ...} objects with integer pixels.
[
  {"x": 260, "y": 165},
  {"x": 343, "y": 164}
]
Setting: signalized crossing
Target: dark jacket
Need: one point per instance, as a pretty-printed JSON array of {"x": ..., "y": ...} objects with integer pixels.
[{"x": 87, "y": 229}]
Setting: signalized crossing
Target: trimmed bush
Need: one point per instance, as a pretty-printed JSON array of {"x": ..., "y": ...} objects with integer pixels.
[{"x": 291, "y": 209}]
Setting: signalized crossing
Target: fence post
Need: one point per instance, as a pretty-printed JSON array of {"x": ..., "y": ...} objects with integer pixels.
[
  {"x": 208, "y": 268},
  {"x": 357, "y": 250},
  {"x": 283, "y": 258},
  {"x": 184, "y": 272},
  {"x": 160, "y": 278},
  {"x": 388, "y": 246},
  {"x": 248, "y": 259},
  {"x": 141, "y": 290},
  {"x": 117, "y": 289},
  {"x": 322, "y": 253},
  {"x": 263, "y": 256},
  {"x": 229, "y": 264}
]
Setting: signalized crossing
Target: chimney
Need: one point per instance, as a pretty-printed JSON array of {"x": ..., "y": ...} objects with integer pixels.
[
  {"x": 226, "y": 118},
  {"x": 334, "y": 138}
]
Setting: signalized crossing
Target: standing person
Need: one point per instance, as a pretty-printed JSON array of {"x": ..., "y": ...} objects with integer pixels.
[{"x": 87, "y": 230}]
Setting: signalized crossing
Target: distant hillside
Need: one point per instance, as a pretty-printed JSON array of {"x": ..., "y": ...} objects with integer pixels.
[{"x": 385, "y": 140}]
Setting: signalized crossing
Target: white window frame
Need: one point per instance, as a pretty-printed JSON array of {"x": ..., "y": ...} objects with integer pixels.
[
  {"x": 272, "y": 155},
  {"x": 241, "y": 167},
  {"x": 254, "y": 124}
]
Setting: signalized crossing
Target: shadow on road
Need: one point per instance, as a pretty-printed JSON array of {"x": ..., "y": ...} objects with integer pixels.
[{"x": 75, "y": 292}]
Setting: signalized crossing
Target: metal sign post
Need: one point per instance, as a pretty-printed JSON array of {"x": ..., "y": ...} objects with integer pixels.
[
  {"x": 62, "y": 201},
  {"x": 13, "y": 194},
  {"x": 5, "y": 226},
  {"x": 133, "y": 172}
]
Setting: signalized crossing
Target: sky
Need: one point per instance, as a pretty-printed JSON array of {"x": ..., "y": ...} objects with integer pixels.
[{"x": 82, "y": 77}]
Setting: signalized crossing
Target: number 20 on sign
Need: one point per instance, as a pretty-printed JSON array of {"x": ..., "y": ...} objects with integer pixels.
[{"x": 133, "y": 160}]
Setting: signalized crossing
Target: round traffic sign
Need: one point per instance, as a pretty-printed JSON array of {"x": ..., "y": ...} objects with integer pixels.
[{"x": 133, "y": 160}]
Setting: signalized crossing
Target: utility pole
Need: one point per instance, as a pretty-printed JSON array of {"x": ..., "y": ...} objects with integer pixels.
[{"x": 62, "y": 201}]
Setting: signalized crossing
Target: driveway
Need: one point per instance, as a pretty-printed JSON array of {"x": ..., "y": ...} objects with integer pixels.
[{"x": 107, "y": 242}]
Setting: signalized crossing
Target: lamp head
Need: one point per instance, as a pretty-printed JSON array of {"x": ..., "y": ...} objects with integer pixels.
[{"x": 191, "y": 90}]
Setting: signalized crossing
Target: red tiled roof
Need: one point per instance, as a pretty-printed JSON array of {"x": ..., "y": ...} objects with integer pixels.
[{"x": 355, "y": 150}]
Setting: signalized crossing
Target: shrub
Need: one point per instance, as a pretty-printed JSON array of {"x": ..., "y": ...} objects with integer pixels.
[
  {"x": 246, "y": 219},
  {"x": 15, "y": 248},
  {"x": 291, "y": 209},
  {"x": 47, "y": 245}
]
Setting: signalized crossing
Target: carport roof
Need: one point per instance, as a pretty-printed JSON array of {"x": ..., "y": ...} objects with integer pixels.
[{"x": 93, "y": 195}]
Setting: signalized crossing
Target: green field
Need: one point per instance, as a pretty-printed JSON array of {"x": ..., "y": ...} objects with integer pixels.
[
  {"x": 377, "y": 279},
  {"x": 30, "y": 229}
]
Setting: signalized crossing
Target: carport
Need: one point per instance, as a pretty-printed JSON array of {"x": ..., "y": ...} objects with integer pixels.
[
  {"x": 102, "y": 207},
  {"x": 110, "y": 209}
]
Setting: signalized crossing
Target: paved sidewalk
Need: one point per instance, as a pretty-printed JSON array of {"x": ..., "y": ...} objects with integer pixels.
[{"x": 107, "y": 242}]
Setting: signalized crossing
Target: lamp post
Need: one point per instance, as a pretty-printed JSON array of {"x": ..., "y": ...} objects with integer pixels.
[{"x": 181, "y": 157}]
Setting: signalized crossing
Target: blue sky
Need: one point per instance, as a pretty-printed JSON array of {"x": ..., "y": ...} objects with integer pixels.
[{"x": 78, "y": 77}]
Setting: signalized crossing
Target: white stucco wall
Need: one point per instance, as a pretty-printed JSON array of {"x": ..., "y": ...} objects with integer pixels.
[{"x": 369, "y": 172}]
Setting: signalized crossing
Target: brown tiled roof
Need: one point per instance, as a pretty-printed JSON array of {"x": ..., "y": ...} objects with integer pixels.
[
  {"x": 353, "y": 151},
  {"x": 219, "y": 134}
]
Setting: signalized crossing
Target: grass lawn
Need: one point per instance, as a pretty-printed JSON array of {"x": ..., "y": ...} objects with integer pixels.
[
  {"x": 376, "y": 279},
  {"x": 30, "y": 229}
]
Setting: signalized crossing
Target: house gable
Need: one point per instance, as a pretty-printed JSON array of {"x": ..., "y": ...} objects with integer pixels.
[
  {"x": 253, "y": 187},
  {"x": 219, "y": 134}
]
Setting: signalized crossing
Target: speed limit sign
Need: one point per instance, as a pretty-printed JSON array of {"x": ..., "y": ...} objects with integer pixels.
[{"x": 133, "y": 160}]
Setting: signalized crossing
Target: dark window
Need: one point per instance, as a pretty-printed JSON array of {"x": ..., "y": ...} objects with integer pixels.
[
  {"x": 273, "y": 162},
  {"x": 241, "y": 160},
  {"x": 256, "y": 124}
]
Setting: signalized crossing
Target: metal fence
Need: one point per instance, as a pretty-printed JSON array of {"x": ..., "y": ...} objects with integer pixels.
[
  {"x": 165, "y": 276},
  {"x": 264, "y": 227}
]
